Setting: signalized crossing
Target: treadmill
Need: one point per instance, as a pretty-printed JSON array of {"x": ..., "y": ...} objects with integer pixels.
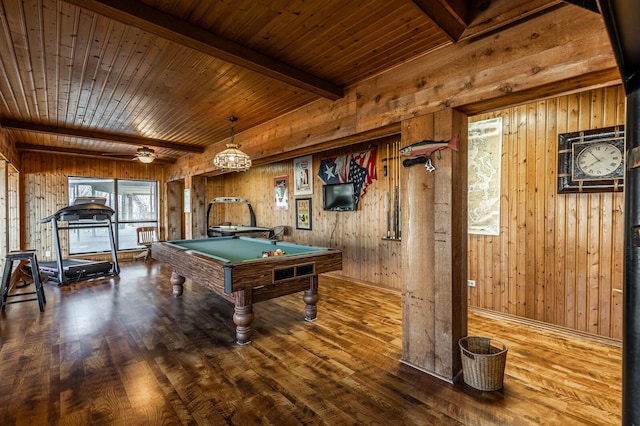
[{"x": 86, "y": 212}]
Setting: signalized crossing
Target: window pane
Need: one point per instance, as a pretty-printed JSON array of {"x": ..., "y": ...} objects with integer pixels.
[
  {"x": 135, "y": 203},
  {"x": 92, "y": 187},
  {"x": 128, "y": 237},
  {"x": 137, "y": 200},
  {"x": 89, "y": 240}
]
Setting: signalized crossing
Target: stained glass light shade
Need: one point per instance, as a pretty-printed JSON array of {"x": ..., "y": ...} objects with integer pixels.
[{"x": 232, "y": 158}]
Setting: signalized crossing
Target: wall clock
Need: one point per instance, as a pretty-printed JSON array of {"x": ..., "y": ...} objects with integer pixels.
[{"x": 591, "y": 161}]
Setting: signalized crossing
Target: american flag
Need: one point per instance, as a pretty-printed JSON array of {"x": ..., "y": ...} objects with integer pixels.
[
  {"x": 357, "y": 175},
  {"x": 358, "y": 168}
]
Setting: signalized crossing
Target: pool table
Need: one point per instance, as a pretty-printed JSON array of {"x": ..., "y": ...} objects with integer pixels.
[{"x": 235, "y": 269}]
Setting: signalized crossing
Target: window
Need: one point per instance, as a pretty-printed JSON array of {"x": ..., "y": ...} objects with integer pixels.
[{"x": 135, "y": 203}]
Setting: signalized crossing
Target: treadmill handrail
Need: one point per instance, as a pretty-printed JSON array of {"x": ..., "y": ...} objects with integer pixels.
[{"x": 89, "y": 211}]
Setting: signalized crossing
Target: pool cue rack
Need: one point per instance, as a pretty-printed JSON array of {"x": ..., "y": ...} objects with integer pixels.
[{"x": 392, "y": 169}]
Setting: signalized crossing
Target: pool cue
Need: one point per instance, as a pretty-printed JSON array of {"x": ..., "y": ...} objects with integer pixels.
[
  {"x": 399, "y": 164},
  {"x": 396, "y": 205},
  {"x": 388, "y": 197},
  {"x": 392, "y": 183}
]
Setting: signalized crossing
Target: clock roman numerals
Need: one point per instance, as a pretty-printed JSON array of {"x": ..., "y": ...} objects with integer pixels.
[{"x": 599, "y": 159}]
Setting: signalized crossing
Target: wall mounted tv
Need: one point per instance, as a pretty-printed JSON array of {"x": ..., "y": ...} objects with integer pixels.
[{"x": 339, "y": 197}]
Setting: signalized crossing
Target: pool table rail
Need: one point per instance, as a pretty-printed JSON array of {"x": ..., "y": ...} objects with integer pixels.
[
  {"x": 231, "y": 277},
  {"x": 247, "y": 281}
]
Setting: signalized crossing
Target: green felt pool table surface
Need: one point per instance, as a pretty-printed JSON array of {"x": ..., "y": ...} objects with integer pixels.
[{"x": 241, "y": 249}]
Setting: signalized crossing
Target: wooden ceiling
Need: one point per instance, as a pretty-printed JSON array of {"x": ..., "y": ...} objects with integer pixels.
[{"x": 97, "y": 77}]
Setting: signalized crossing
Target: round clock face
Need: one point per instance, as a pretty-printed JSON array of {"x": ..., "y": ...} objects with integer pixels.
[{"x": 599, "y": 159}]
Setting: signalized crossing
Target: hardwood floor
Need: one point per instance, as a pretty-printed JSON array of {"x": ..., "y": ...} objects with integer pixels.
[{"x": 125, "y": 351}]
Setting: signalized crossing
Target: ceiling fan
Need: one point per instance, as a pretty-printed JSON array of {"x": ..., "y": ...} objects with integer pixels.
[{"x": 144, "y": 155}]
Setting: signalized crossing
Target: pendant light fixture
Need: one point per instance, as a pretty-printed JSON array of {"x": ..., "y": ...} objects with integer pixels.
[{"x": 232, "y": 158}]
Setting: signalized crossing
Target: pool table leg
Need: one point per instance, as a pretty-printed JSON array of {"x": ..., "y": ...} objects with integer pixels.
[
  {"x": 243, "y": 316},
  {"x": 311, "y": 298},
  {"x": 177, "y": 281}
]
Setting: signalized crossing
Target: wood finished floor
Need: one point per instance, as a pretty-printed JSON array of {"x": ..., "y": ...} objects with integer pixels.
[{"x": 124, "y": 351}]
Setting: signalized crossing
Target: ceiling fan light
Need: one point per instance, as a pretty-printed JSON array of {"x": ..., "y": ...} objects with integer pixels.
[
  {"x": 232, "y": 158},
  {"x": 146, "y": 155}
]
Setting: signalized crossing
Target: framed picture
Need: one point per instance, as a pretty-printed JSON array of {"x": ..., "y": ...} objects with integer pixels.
[
  {"x": 591, "y": 161},
  {"x": 303, "y": 175},
  {"x": 281, "y": 193},
  {"x": 303, "y": 213}
]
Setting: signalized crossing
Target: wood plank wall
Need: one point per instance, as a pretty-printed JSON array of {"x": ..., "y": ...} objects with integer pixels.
[
  {"x": 359, "y": 234},
  {"x": 13, "y": 216},
  {"x": 8, "y": 149},
  {"x": 9, "y": 210},
  {"x": 44, "y": 179},
  {"x": 559, "y": 257},
  {"x": 4, "y": 211}
]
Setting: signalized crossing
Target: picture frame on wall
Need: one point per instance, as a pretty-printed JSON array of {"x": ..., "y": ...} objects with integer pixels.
[
  {"x": 303, "y": 175},
  {"x": 303, "y": 213},
  {"x": 281, "y": 193}
]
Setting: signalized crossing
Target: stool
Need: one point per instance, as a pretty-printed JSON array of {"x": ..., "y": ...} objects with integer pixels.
[{"x": 13, "y": 256}]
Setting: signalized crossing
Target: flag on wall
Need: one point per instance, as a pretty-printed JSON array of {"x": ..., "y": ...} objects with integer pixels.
[{"x": 358, "y": 168}]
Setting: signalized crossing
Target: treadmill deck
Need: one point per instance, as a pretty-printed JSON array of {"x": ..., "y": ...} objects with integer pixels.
[{"x": 76, "y": 269}]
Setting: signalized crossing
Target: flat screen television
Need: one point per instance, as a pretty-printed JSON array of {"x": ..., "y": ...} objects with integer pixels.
[{"x": 339, "y": 197}]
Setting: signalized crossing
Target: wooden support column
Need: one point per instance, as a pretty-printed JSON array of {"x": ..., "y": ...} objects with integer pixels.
[
  {"x": 434, "y": 248},
  {"x": 13, "y": 207},
  {"x": 175, "y": 207},
  {"x": 631, "y": 310},
  {"x": 4, "y": 210},
  {"x": 195, "y": 214}
]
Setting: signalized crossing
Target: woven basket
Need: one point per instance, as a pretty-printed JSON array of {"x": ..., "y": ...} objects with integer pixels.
[{"x": 483, "y": 361}]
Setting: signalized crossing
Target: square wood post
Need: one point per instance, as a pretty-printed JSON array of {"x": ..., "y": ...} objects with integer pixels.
[
  {"x": 434, "y": 248},
  {"x": 195, "y": 214},
  {"x": 174, "y": 211},
  {"x": 4, "y": 211}
]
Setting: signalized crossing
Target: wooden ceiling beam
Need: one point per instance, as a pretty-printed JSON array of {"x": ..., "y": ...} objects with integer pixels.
[
  {"x": 162, "y": 24},
  {"x": 92, "y": 134},
  {"x": 86, "y": 153},
  {"x": 450, "y": 16},
  {"x": 591, "y": 5},
  {"x": 498, "y": 15}
]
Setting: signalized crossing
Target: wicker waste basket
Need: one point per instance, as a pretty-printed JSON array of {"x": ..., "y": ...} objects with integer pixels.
[{"x": 483, "y": 361}]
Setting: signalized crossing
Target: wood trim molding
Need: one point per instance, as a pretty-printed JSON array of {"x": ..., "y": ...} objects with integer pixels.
[
  {"x": 87, "y": 153},
  {"x": 448, "y": 15}
]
